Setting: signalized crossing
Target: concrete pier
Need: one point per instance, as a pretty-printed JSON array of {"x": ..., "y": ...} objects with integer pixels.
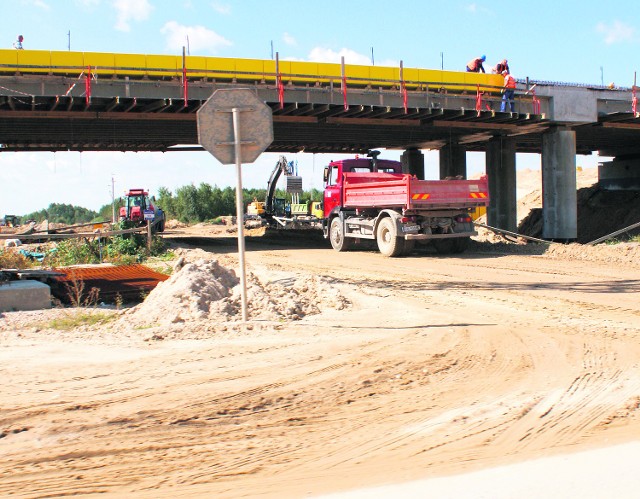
[
  {"x": 453, "y": 161},
  {"x": 502, "y": 211},
  {"x": 559, "y": 196},
  {"x": 620, "y": 174},
  {"x": 413, "y": 162}
]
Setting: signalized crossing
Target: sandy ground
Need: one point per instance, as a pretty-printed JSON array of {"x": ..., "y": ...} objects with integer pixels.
[{"x": 508, "y": 371}]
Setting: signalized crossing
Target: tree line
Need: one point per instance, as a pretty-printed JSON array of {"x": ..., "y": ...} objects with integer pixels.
[{"x": 189, "y": 204}]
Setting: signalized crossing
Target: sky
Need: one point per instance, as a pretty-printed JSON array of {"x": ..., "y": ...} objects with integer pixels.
[{"x": 567, "y": 41}]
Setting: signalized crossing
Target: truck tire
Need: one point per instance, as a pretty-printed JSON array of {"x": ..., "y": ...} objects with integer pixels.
[
  {"x": 389, "y": 243},
  {"x": 451, "y": 246},
  {"x": 444, "y": 246},
  {"x": 461, "y": 244},
  {"x": 409, "y": 246},
  {"x": 336, "y": 236}
]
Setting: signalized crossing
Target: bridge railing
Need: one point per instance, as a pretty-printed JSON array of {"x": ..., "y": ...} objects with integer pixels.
[
  {"x": 282, "y": 74},
  {"x": 228, "y": 69}
]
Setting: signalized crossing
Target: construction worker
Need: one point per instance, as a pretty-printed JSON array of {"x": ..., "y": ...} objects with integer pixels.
[
  {"x": 508, "y": 93},
  {"x": 18, "y": 43},
  {"x": 475, "y": 65},
  {"x": 500, "y": 67}
]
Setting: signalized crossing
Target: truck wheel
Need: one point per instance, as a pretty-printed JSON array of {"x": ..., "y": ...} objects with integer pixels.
[
  {"x": 336, "y": 236},
  {"x": 444, "y": 246},
  {"x": 409, "y": 246},
  {"x": 389, "y": 243},
  {"x": 461, "y": 244}
]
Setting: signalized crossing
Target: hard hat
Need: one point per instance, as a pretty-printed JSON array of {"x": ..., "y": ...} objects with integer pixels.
[{"x": 484, "y": 58}]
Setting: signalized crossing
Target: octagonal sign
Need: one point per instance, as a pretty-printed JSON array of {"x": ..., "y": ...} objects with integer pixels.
[{"x": 216, "y": 125}]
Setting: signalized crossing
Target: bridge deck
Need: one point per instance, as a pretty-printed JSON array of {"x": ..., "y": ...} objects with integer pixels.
[{"x": 88, "y": 101}]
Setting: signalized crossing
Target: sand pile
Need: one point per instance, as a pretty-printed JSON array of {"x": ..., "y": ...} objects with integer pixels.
[
  {"x": 207, "y": 291},
  {"x": 600, "y": 212}
]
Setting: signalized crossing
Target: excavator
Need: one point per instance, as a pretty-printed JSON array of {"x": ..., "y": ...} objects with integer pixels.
[{"x": 276, "y": 212}]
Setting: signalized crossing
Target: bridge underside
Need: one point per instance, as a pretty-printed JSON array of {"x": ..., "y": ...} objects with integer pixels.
[
  {"x": 53, "y": 124},
  {"x": 132, "y": 124}
]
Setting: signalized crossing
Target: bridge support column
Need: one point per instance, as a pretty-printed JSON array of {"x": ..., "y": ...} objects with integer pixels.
[
  {"x": 453, "y": 161},
  {"x": 502, "y": 211},
  {"x": 620, "y": 174},
  {"x": 413, "y": 162},
  {"x": 559, "y": 195}
]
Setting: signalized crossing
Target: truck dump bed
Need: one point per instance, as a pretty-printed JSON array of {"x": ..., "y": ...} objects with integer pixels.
[{"x": 401, "y": 190}]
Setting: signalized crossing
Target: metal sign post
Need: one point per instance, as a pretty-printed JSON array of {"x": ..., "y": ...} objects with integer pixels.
[
  {"x": 239, "y": 210},
  {"x": 235, "y": 126},
  {"x": 148, "y": 216}
]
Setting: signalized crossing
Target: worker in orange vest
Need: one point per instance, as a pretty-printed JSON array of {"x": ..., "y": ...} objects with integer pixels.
[
  {"x": 475, "y": 65},
  {"x": 508, "y": 93},
  {"x": 503, "y": 65}
]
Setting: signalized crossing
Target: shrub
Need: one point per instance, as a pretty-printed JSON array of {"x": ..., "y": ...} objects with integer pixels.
[{"x": 12, "y": 259}]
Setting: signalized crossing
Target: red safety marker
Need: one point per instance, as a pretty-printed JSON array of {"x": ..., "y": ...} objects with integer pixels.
[{"x": 87, "y": 85}]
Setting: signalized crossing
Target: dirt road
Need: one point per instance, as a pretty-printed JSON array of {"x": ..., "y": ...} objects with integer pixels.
[{"x": 436, "y": 366}]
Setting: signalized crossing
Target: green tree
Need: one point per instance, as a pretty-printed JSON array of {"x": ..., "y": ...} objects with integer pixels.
[
  {"x": 167, "y": 202},
  {"x": 62, "y": 213},
  {"x": 206, "y": 202},
  {"x": 187, "y": 204}
]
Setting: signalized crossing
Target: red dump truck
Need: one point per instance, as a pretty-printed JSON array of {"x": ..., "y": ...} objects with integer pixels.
[{"x": 371, "y": 199}]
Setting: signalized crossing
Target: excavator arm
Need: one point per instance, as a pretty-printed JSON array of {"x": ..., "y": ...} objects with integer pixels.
[{"x": 282, "y": 167}]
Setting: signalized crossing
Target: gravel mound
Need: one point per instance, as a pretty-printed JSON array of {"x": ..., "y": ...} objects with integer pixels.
[{"x": 207, "y": 291}]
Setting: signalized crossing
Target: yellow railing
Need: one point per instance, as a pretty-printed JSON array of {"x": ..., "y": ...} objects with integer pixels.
[{"x": 228, "y": 69}]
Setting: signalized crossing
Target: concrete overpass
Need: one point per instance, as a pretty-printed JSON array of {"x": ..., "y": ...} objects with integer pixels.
[{"x": 53, "y": 113}]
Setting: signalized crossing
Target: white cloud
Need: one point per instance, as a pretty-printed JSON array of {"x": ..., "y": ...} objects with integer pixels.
[
  {"x": 474, "y": 8},
  {"x": 87, "y": 3},
  {"x": 201, "y": 39},
  {"x": 288, "y": 39},
  {"x": 221, "y": 8},
  {"x": 321, "y": 54},
  {"x": 616, "y": 32},
  {"x": 36, "y": 3},
  {"x": 130, "y": 10}
]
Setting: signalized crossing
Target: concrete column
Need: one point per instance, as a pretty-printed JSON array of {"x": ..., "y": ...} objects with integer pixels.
[
  {"x": 502, "y": 211},
  {"x": 559, "y": 195},
  {"x": 453, "y": 161},
  {"x": 413, "y": 162},
  {"x": 621, "y": 174}
]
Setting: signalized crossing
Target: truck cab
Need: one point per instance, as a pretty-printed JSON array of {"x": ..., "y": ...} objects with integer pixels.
[{"x": 333, "y": 175}]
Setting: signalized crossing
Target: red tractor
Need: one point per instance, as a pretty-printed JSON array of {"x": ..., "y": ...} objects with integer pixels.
[{"x": 137, "y": 204}]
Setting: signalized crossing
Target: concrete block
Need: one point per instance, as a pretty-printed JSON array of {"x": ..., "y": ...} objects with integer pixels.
[
  {"x": 620, "y": 174},
  {"x": 24, "y": 295}
]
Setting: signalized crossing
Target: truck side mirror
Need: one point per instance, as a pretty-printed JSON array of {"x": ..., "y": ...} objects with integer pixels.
[{"x": 326, "y": 174}]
